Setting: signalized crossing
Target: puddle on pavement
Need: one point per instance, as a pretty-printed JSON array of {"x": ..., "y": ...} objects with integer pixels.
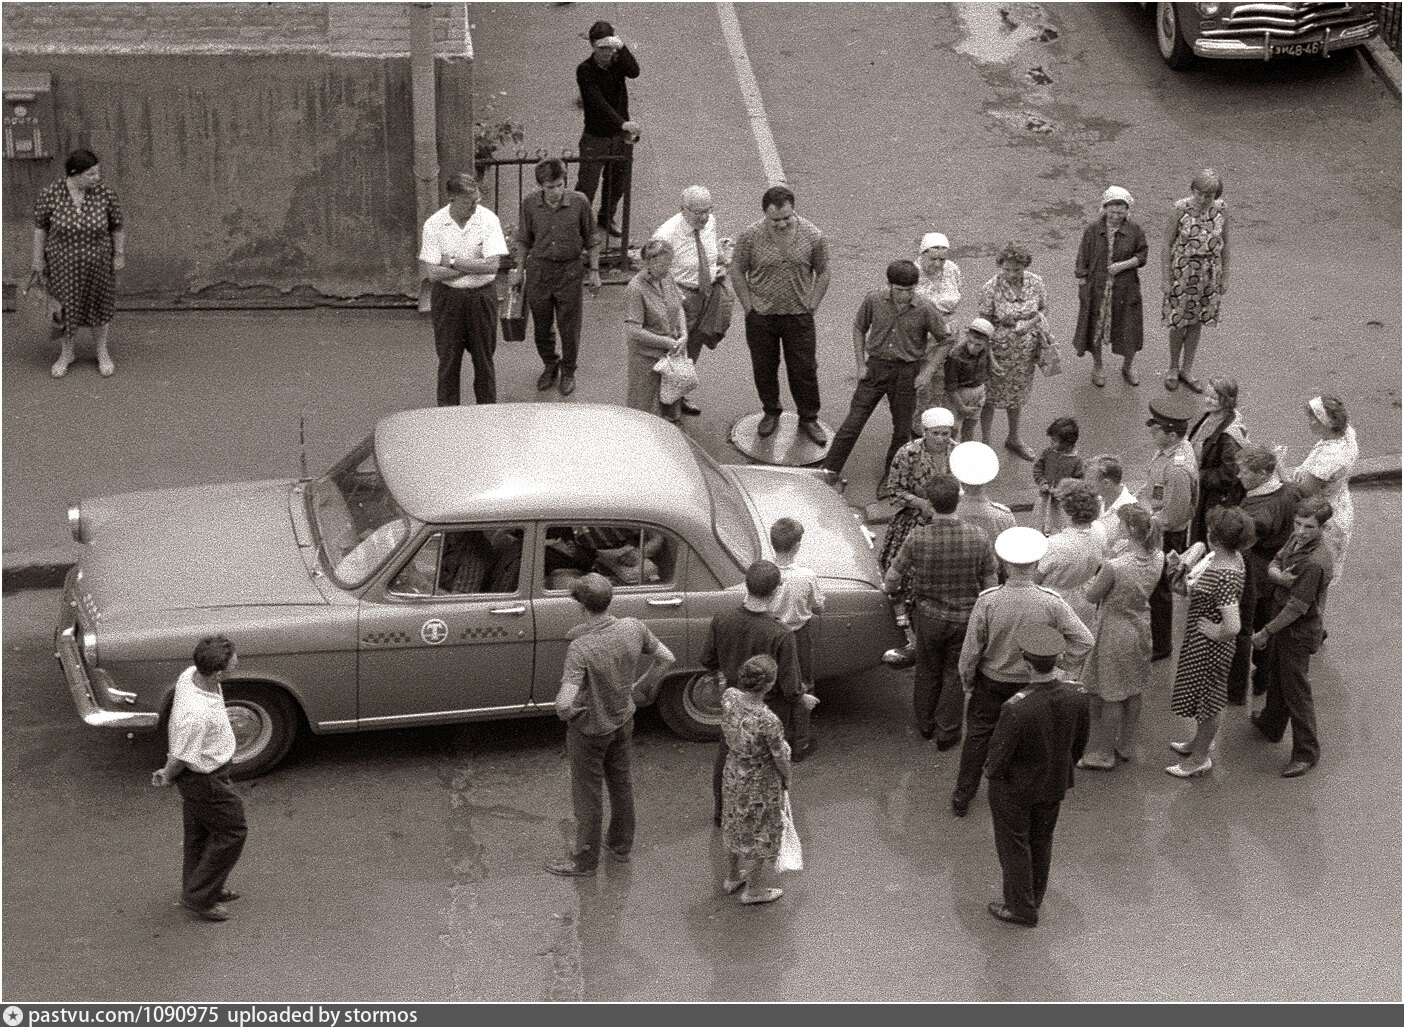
[{"x": 995, "y": 32}]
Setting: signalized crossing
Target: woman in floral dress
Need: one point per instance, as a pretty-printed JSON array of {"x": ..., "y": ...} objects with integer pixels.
[
  {"x": 1215, "y": 589},
  {"x": 940, "y": 283},
  {"x": 78, "y": 249},
  {"x": 1326, "y": 471},
  {"x": 913, "y": 467},
  {"x": 754, "y": 780},
  {"x": 1015, "y": 302},
  {"x": 1194, "y": 273}
]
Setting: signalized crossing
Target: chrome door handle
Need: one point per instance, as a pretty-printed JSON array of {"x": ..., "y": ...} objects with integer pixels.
[
  {"x": 670, "y": 601},
  {"x": 509, "y": 609}
]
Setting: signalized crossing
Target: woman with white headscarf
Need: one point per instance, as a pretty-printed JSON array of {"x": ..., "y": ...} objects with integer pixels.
[
  {"x": 1109, "y": 289},
  {"x": 940, "y": 283}
]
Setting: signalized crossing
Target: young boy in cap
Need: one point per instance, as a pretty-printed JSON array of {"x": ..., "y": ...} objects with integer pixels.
[
  {"x": 968, "y": 368},
  {"x": 1170, "y": 493},
  {"x": 1039, "y": 737},
  {"x": 991, "y": 662}
]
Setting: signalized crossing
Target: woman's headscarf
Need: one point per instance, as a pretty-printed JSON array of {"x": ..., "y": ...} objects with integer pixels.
[{"x": 1114, "y": 193}]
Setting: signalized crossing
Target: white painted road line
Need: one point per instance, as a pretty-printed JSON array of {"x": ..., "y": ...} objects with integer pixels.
[{"x": 750, "y": 94}]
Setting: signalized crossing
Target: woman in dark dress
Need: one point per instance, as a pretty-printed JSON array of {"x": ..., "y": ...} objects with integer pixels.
[
  {"x": 1218, "y": 437},
  {"x": 78, "y": 249},
  {"x": 1109, "y": 289}
]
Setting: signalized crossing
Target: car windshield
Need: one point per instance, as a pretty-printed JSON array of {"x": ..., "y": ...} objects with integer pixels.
[
  {"x": 731, "y": 518},
  {"x": 357, "y": 522}
]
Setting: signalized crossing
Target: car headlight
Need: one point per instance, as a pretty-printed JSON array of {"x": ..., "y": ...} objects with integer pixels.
[
  {"x": 90, "y": 648},
  {"x": 75, "y": 522},
  {"x": 1207, "y": 10}
]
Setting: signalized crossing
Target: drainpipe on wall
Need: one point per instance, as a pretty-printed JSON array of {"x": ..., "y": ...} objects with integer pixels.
[{"x": 426, "y": 140}]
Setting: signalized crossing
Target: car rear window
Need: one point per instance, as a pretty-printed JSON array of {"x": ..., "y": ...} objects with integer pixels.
[{"x": 731, "y": 518}]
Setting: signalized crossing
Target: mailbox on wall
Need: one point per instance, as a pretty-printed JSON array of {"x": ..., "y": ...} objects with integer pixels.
[{"x": 29, "y": 115}]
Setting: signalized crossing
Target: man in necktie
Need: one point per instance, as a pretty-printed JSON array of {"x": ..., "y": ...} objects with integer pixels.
[{"x": 699, "y": 269}]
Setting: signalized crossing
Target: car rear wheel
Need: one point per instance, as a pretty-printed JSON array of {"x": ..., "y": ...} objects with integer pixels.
[
  {"x": 265, "y": 723},
  {"x": 1170, "y": 39},
  {"x": 690, "y": 704}
]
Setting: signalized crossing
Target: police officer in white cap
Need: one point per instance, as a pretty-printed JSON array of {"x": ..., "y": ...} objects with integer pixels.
[
  {"x": 975, "y": 465},
  {"x": 992, "y": 666}
]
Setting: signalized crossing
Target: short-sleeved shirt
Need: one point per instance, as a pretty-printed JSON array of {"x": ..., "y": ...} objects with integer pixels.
[
  {"x": 781, "y": 279},
  {"x": 798, "y": 597},
  {"x": 601, "y": 666},
  {"x": 654, "y": 306},
  {"x": 556, "y": 233},
  {"x": 199, "y": 732},
  {"x": 965, "y": 370},
  {"x": 992, "y": 638},
  {"x": 899, "y": 333},
  {"x": 985, "y": 514},
  {"x": 680, "y": 235},
  {"x": 946, "y": 563},
  {"x": 479, "y": 237}
]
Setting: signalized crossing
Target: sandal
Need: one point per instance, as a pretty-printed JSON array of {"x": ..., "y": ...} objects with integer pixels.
[
  {"x": 60, "y": 368},
  {"x": 756, "y": 898},
  {"x": 1191, "y": 383},
  {"x": 732, "y": 887},
  {"x": 1098, "y": 378},
  {"x": 1132, "y": 378},
  {"x": 1172, "y": 379}
]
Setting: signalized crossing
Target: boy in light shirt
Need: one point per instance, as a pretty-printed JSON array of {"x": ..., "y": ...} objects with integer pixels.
[{"x": 795, "y": 602}]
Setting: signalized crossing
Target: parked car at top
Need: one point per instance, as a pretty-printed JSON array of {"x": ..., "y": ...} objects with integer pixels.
[
  {"x": 425, "y": 578},
  {"x": 1260, "y": 31}
]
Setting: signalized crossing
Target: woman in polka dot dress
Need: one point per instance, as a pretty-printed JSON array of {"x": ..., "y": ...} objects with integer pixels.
[{"x": 78, "y": 248}]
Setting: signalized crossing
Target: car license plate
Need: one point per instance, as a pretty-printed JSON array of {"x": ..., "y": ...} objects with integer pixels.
[{"x": 1294, "y": 49}]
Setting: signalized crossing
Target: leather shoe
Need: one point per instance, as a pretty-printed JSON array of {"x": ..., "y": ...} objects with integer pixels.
[
  {"x": 960, "y": 806},
  {"x": 1176, "y": 770},
  {"x": 548, "y": 377},
  {"x": 813, "y": 432},
  {"x": 567, "y": 385},
  {"x": 803, "y": 754},
  {"x": 767, "y": 425},
  {"x": 900, "y": 659},
  {"x": 215, "y": 912},
  {"x": 1257, "y": 722},
  {"x": 691, "y": 409},
  {"x": 622, "y": 855},
  {"x": 569, "y": 868},
  {"x": 949, "y": 743},
  {"x": 1098, "y": 377},
  {"x": 1296, "y": 768},
  {"x": 227, "y": 896},
  {"x": 927, "y": 732},
  {"x": 1000, "y": 911}
]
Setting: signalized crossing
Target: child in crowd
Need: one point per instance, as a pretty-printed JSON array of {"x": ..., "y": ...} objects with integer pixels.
[
  {"x": 797, "y": 600},
  {"x": 968, "y": 367},
  {"x": 1058, "y": 461}
]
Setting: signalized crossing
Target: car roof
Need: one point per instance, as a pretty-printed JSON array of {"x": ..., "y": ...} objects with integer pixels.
[{"x": 509, "y": 461}]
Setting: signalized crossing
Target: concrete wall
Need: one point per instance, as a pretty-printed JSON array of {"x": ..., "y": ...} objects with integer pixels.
[{"x": 251, "y": 145}]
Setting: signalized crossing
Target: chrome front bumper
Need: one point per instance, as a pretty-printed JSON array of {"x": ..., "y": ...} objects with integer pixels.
[
  {"x": 80, "y": 686},
  {"x": 1256, "y": 48}
]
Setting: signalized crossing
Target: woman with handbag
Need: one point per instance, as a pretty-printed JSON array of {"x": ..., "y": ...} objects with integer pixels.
[
  {"x": 1109, "y": 289},
  {"x": 1016, "y": 303},
  {"x": 654, "y": 327},
  {"x": 79, "y": 246},
  {"x": 754, "y": 781}
]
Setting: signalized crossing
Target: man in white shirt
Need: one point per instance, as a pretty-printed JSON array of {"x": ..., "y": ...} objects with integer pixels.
[
  {"x": 699, "y": 269},
  {"x": 461, "y": 248},
  {"x": 1104, "y": 475},
  {"x": 201, "y": 745}
]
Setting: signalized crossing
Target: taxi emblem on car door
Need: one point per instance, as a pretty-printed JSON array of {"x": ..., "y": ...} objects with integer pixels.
[{"x": 434, "y": 631}]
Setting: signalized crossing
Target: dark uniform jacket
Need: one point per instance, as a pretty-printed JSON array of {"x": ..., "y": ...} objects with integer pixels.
[{"x": 1040, "y": 735}]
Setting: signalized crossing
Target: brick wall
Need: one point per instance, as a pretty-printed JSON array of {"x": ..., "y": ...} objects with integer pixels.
[{"x": 349, "y": 30}]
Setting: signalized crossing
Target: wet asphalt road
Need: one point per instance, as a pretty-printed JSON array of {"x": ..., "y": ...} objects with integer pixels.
[{"x": 406, "y": 865}]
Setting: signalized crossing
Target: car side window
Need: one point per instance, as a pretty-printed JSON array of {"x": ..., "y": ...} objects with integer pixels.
[
  {"x": 474, "y": 561},
  {"x": 626, "y": 554}
]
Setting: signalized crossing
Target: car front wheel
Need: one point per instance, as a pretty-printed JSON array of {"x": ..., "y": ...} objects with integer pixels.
[
  {"x": 1170, "y": 39},
  {"x": 264, "y": 722},
  {"x": 690, "y": 704}
]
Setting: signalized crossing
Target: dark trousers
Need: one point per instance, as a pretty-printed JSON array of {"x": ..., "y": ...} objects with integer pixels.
[
  {"x": 1262, "y": 613},
  {"x": 1162, "y": 601},
  {"x": 215, "y": 831},
  {"x": 554, "y": 293},
  {"x": 769, "y": 336},
  {"x": 1289, "y": 695},
  {"x": 598, "y": 762},
  {"x": 937, "y": 698},
  {"x": 981, "y": 713},
  {"x": 1023, "y": 833},
  {"x": 616, "y": 174},
  {"x": 465, "y": 320},
  {"x": 894, "y": 379},
  {"x": 795, "y": 719}
]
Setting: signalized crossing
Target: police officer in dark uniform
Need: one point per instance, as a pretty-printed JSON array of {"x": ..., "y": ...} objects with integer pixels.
[
  {"x": 1040, "y": 735},
  {"x": 1171, "y": 493}
]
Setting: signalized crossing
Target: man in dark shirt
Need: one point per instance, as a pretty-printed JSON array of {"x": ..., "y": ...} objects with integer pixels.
[
  {"x": 1271, "y": 503},
  {"x": 1039, "y": 738},
  {"x": 608, "y": 131},
  {"x": 610, "y": 667},
  {"x": 554, "y": 229},
  {"x": 896, "y": 335},
  {"x": 1301, "y": 573},
  {"x": 945, "y": 564},
  {"x": 749, "y": 630}
]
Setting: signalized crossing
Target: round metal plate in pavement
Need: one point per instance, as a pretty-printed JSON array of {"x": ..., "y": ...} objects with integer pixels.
[{"x": 785, "y": 447}]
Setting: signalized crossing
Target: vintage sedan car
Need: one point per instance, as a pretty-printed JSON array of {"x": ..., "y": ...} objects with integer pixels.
[
  {"x": 425, "y": 578},
  {"x": 1260, "y": 31}
]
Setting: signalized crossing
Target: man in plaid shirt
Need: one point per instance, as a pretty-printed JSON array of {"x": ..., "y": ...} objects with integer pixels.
[{"x": 943, "y": 566}]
